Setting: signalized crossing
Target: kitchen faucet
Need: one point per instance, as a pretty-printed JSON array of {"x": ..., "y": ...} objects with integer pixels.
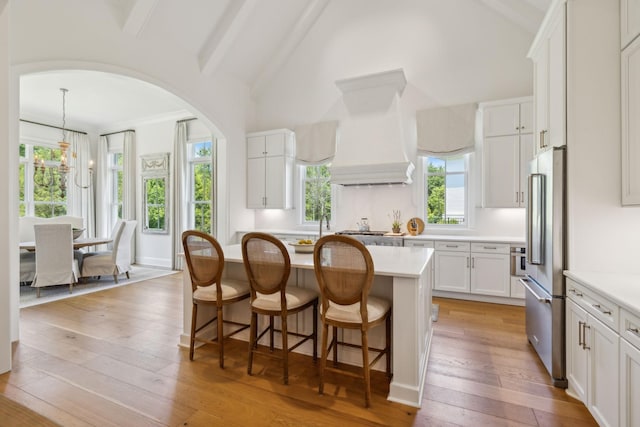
[{"x": 325, "y": 216}]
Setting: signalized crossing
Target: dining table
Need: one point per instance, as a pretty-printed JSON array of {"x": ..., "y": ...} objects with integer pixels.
[{"x": 77, "y": 243}]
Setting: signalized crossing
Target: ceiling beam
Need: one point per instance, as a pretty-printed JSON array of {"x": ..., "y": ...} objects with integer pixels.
[
  {"x": 225, "y": 32},
  {"x": 138, "y": 16},
  {"x": 306, "y": 20}
]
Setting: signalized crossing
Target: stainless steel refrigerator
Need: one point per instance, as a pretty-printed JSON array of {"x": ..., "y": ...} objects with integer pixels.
[{"x": 546, "y": 254}]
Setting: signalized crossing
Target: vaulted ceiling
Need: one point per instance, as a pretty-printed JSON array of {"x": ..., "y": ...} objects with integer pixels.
[{"x": 250, "y": 40}]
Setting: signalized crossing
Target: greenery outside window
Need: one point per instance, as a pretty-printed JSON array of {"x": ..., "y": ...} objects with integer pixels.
[
  {"x": 116, "y": 161},
  {"x": 155, "y": 193},
  {"x": 445, "y": 181},
  {"x": 316, "y": 187},
  {"x": 200, "y": 186},
  {"x": 40, "y": 193}
]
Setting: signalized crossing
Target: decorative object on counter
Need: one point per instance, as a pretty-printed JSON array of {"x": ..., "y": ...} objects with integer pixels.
[
  {"x": 363, "y": 225},
  {"x": 415, "y": 226},
  {"x": 395, "y": 224}
]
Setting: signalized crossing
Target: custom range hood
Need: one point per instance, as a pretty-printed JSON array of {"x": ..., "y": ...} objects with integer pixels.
[{"x": 372, "y": 147}]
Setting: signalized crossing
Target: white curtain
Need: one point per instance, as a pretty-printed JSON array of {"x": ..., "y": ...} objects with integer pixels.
[
  {"x": 446, "y": 131},
  {"x": 180, "y": 208},
  {"x": 103, "y": 208},
  {"x": 129, "y": 183},
  {"x": 316, "y": 142},
  {"x": 79, "y": 185}
]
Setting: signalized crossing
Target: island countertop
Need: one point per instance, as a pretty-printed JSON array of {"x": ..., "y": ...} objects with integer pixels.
[{"x": 395, "y": 261}]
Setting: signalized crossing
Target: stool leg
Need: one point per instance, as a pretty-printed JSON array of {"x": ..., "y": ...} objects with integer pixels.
[
  {"x": 323, "y": 361},
  {"x": 252, "y": 339},
  {"x": 335, "y": 346},
  {"x": 220, "y": 337},
  {"x": 285, "y": 349},
  {"x": 365, "y": 366},
  {"x": 194, "y": 318},
  {"x": 271, "y": 333},
  {"x": 315, "y": 331}
]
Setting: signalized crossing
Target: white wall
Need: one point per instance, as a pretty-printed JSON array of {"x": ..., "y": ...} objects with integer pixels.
[
  {"x": 603, "y": 235},
  {"x": 154, "y": 249},
  {"x": 8, "y": 254},
  {"x": 462, "y": 57}
]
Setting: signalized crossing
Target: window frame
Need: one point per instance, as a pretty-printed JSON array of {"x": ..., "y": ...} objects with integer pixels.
[
  {"x": 302, "y": 172},
  {"x": 467, "y": 161},
  {"x": 27, "y": 160},
  {"x": 192, "y": 161},
  {"x": 115, "y": 205}
]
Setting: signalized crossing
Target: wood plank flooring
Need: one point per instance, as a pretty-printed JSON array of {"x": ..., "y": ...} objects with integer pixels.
[{"x": 111, "y": 359}]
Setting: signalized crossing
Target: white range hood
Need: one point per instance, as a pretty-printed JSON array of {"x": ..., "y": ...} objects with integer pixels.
[{"x": 372, "y": 145}]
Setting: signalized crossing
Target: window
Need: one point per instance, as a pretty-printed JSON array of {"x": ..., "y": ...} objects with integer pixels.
[
  {"x": 317, "y": 193},
  {"x": 116, "y": 161},
  {"x": 39, "y": 188},
  {"x": 200, "y": 186},
  {"x": 446, "y": 190}
]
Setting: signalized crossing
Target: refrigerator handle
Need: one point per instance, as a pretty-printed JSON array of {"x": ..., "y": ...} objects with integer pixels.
[
  {"x": 524, "y": 283},
  {"x": 535, "y": 219}
]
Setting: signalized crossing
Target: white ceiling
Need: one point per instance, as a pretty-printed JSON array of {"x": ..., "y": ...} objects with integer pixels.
[{"x": 248, "y": 39}]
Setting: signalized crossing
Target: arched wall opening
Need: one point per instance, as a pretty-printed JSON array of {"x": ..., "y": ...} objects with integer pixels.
[{"x": 221, "y": 192}]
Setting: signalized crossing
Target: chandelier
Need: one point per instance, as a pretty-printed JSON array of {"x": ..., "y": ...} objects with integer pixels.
[{"x": 44, "y": 175}]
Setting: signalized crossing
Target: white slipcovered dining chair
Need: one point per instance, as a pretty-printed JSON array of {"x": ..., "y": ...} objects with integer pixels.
[
  {"x": 55, "y": 263},
  {"x": 115, "y": 261}
]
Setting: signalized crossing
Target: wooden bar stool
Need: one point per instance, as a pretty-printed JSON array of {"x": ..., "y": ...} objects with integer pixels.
[
  {"x": 268, "y": 266},
  {"x": 205, "y": 260},
  {"x": 344, "y": 270}
]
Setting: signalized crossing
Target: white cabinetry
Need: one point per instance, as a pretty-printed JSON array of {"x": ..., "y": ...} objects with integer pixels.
[
  {"x": 629, "y": 369},
  {"x": 476, "y": 269},
  {"x": 548, "y": 53},
  {"x": 490, "y": 269},
  {"x": 270, "y": 162},
  {"x": 452, "y": 265},
  {"x": 507, "y": 150},
  {"x": 630, "y": 132},
  {"x": 592, "y": 352}
]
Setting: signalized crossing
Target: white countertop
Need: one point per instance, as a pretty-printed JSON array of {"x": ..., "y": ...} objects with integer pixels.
[
  {"x": 457, "y": 237},
  {"x": 394, "y": 261},
  {"x": 623, "y": 289}
]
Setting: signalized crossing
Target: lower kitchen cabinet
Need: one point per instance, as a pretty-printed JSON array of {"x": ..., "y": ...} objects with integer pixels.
[
  {"x": 629, "y": 384},
  {"x": 478, "y": 268},
  {"x": 490, "y": 269},
  {"x": 593, "y": 353},
  {"x": 452, "y": 266}
]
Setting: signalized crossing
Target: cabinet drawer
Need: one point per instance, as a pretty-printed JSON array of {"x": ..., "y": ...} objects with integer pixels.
[
  {"x": 419, "y": 243},
  {"x": 453, "y": 246},
  {"x": 597, "y": 305},
  {"x": 630, "y": 327},
  {"x": 493, "y": 248}
]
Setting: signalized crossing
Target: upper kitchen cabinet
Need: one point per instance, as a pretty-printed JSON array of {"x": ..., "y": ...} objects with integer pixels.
[
  {"x": 630, "y": 106},
  {"x": 507, "y": 149},
  {"x": 270, "y": 164},
  {"x": 629, "y": 21},
  {"x": 548, "y": 53},
  {"x": 510, "y": 118}
]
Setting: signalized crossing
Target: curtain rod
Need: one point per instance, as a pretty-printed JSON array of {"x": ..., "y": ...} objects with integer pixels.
[
  {"x": 52, "y": 126},
  {"x": 120, "y": 131},
  {"x": 187, "y": 120}
]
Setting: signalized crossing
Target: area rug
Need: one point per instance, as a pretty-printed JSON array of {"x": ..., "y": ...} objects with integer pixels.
[{"x": 53, "y": 293}]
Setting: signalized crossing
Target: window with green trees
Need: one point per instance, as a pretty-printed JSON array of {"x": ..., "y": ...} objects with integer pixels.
[
  {"x": 116, "y": 171},
  {"x": 446, "y": 194},
  {"x": 39, "y": 188},
  {"x": 317, "y": 193},
  {"x": 201, "y": 186}
]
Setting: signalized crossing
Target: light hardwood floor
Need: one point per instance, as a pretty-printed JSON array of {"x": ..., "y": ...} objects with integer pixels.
[{"x": 111, "y": 359}]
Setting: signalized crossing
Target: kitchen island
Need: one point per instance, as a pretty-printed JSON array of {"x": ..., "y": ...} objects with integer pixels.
[{"x": 402, "y": 274}]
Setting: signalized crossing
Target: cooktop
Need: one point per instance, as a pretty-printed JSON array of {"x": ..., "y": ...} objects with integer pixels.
[{"x": 363, "y": 233}]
